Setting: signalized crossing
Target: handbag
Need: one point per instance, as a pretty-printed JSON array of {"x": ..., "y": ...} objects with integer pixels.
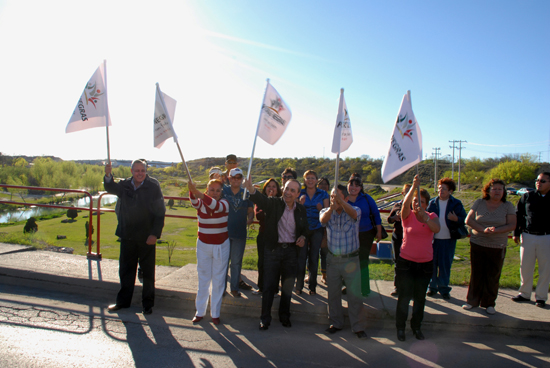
[
  {"x": 459, "y": 232},
  {"x": 373, "y": 222}
]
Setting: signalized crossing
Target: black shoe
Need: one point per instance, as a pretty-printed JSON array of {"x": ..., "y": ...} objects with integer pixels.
[
  {"x": 286, "y": 323},
  {"x": 446, "y": 296},
  {"x": 244, "y": 286},
  {"x": 540, "y": 303},
  {"x": 518, "y": 298},
  {"x": 114, "y": 307},
  {"x": 401, "y": 335},
  {"x": 147, "y": 311},
  {"x": 394, "y": 292},
  {"x": 418, "y": 334},
  {"x": 431, "y": 293},
  {"x": 263, "y": 326},
  {"x": 361, "y": 335},
  {"x": 332, "y": 330}
]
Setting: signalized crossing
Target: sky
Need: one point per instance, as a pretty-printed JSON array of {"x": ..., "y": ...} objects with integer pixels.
[{"x": 478, "y": 72}]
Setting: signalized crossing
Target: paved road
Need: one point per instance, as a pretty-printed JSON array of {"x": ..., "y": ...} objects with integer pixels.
[{"x": 55, "y": 329}]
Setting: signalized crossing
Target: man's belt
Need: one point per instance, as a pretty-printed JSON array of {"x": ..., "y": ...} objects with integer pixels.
[
  {"x": 285, "y": 245},
  {"x": 349, "y": 255},
  {"x": 537, "y": 232}
]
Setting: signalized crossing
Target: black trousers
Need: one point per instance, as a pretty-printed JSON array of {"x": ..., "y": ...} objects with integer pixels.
[
  {"x": 412, "y": 282},
  {"x": 486, "y": 266},
  {"x": 279, "y": 264},
  {"x": 396, "y": 241},
  {"x": 366, "y": 239},
  {"x": 260, "y": 244},
  {"x": 132, "y": 253}
]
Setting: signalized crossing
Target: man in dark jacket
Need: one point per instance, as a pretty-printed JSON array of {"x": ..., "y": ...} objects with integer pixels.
[
  {"x": 140, "y": 223},
  {"x": 286, "y": 229}
]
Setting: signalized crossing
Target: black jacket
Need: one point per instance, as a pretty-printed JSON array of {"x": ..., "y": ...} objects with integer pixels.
[
  {"x": 141, "y": 211},
  {"x": 533, "y": 211},
  {"x": 274, "y": 208}
]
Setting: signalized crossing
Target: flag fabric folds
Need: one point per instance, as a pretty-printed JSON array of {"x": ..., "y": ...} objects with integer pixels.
[
  {"x": 275, "y": 116},
  {"x": 92, "y": 110},
  {"x": 164, "y": 118},
  {"x": 342, "y": 131},
  {"x": 405, "y": 145}
]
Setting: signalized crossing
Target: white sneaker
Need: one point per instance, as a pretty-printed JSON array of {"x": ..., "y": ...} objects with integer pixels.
[
  {"x": 491, "y": 310},
  {"x": 466, "y": 306}
]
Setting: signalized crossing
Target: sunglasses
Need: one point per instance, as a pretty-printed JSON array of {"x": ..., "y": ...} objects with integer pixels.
[
  {"x": 288, "y": 177},
  {"x": 542, "y": 181},
  {"x": 231, "y": 162}
]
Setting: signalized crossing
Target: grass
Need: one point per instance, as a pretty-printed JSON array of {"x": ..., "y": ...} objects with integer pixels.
[{"x": 184, "y": 233}]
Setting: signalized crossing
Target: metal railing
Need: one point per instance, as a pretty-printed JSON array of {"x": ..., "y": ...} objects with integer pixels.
[{"x": 90, "y": 210}]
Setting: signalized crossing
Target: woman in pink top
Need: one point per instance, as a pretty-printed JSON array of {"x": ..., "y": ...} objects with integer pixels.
[
  {"x": 212, "y": 247},
  {"x": 414, "y": 266}
]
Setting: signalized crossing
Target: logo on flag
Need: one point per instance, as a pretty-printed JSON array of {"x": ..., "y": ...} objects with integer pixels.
[
  {"x": 275, "y": 116},
  {"x": 92, "y": 110},
  {"x": 405, "y": 145},
  {"x": 163, "y": 118},
  {"x": 405, "y": 127},
  {"x": 343, "y": 137}
]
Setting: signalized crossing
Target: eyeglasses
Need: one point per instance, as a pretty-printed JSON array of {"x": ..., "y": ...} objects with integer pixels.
[
  {"x": 231, "y": 162},
  {"x": 288, "y": 177},
  {"x": 542, "y": 181}
]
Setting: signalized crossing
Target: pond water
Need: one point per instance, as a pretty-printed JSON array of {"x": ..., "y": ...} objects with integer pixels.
[{"x": 27, "y": 212}]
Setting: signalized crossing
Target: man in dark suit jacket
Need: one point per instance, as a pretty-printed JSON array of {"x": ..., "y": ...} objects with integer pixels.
[
  {"x": 140, "y": 223},
  {"x": 286, "y": 230}
]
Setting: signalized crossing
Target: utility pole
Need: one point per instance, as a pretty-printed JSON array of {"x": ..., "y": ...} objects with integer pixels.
[
  {"x": 436, "y": 154},
  {"x": 453, "y": 164},
  {"x": 459, "y": 159}
]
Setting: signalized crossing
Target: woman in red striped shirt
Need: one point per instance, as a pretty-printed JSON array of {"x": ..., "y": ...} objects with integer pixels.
[{"x": 212, "y": 247}]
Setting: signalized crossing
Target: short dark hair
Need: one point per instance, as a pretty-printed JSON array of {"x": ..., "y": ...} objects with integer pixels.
[
  {"x": 545, "y": 173},
  {"x": 231, "y": 157},
  {"x": 425, "y": 194},
  {"x": 344, "y": 190},
  {"x": 450, "y": 183},
  {"x": 279, "y": 191},
  {"x": 291, "y": 171},
  {"x": 487, "y": 188},
  {"x": 322, "y": 180}
]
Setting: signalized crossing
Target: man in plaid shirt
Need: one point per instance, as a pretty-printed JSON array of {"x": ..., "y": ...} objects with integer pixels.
[{"x": 342, "y": 222}]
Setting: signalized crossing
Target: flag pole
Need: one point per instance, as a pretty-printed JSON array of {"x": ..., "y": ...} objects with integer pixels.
[
  {"x": 107, "y": 117},
  {"x": 417, "y": 189},
  {"x": 255, "y": 138},
  {"x": 174, "y": 135},
  {"x": 337, "y": 166}
]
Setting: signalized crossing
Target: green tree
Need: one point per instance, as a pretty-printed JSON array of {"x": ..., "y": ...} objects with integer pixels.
[
  {"x": 515, "y": 171},
  {"x": 20, "y": 162}
]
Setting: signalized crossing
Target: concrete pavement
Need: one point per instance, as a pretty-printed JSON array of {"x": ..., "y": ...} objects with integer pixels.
[{"x": 176, "y": 289}]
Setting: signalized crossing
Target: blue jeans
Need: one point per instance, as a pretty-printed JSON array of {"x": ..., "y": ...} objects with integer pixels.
[
  {"x": 444, "y": 252},
  {"x": 279, "y": 264},
  {"x": 412, "y": 280},
  {"x": 236, "y": 261}
]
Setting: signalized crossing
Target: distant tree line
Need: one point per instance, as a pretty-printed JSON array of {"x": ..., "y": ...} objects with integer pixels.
[{"x": 46, "y": 172}]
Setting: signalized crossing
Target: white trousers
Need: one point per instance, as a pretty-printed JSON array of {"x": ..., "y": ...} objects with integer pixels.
[
  {"x": 212, "y": 262},
  {"x": 535, "y": 248}
]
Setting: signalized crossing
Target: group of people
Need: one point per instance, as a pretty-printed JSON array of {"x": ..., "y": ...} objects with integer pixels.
[
  {"x": 297, "y": 226},
  {"x": 424, "y": 245}
]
